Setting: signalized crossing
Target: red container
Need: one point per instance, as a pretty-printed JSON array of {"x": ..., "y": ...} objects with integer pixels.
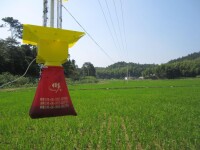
[{"x": 52, "y": 97}]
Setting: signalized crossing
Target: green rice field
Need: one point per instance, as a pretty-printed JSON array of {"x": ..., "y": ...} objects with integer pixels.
[{"x": 112, "y": 114}]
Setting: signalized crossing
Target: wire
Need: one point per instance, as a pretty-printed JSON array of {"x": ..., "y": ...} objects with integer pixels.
[
  {"x": 20, "y": 76},
  {"x": 125, "y": 42},
  {"x": 118, "y": 25},
  {"x": 107, "y": 24},
  {"x": 88, "y": 34},
  {"x": 112, "y": 24},
  {"x": 123, "y": 25}
]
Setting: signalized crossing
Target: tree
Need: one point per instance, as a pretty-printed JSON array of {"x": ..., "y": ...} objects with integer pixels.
[
  {"x": 14, "y": 26},
  {"x": 88, "y": 69},
  {"x": 15, "y": 58},
  {"x": 71, "y": 69}
]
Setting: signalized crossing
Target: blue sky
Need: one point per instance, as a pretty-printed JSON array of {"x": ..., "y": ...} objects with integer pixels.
[{"x": 156, "y": 31}]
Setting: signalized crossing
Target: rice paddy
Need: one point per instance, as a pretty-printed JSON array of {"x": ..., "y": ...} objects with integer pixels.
[{"x": 112, "y": 114}]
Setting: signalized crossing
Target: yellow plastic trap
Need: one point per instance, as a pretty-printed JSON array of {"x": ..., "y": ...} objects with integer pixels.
[{"x": 52, "y": 43}]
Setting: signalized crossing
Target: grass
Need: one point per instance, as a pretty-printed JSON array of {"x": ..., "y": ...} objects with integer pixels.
[{"x": 113, "y": 114}]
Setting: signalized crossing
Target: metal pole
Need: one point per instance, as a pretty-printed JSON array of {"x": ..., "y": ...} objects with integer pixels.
[
  {"x": 45, "y": 11},
  {"x": 52, "y": 14},
  {"x": 127, "y": 73},
  {"x": 60, "y": 13}
]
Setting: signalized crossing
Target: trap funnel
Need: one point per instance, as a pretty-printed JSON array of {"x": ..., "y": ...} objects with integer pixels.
[{"x": 52, "y": 43}]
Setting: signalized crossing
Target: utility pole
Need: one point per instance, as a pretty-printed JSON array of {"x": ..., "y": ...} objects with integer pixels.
[
  {"x": 45, "y": 11},
  {"x": 59, "y": 13},
  {"x": 52, "y": 13},
  {"x": 127, "y": 73}
]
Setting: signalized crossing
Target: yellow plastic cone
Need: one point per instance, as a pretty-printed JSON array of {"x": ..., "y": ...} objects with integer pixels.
[{"x": 52, "y": 43}]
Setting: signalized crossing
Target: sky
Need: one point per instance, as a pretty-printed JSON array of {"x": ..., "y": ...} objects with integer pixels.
[{"x": 139, "y": 31}]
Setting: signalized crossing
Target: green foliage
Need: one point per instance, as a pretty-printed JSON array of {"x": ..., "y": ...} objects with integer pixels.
[
  {"x": 192, "y": 56},
  {"x": 88, "y": 69},
  {"x": 150, "y": 114},
  {"x": 71, "y": 70},
  {"x": 186, "y": 68},
  {"x": 6, "y": 77},
  {"x": 15, "y": 58},
  {"x": 86, "y": 79},
  {"x": 15, "y": 27},
  {"x": 120, "y": 70}
]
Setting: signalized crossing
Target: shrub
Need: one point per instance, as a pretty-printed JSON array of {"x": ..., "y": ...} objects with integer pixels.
[
  {"x": 7, "y": 77},
  {"x": 87, "y": 79}
]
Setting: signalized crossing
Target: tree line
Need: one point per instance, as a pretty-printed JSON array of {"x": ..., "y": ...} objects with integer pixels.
[
  {"x": 175, "y": 69},
  {"x": 188, "y": 66},
  {"x": 120, "y": 70}
]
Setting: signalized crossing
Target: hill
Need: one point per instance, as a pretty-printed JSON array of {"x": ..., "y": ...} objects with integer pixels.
[
  {"x": 186, "y": 66},
  {"x": 120, "y": 70},
  {"x": 192, "y": 57}
]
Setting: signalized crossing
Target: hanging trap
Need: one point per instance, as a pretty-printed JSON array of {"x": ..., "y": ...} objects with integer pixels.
[{"x": 52, "y": 97}]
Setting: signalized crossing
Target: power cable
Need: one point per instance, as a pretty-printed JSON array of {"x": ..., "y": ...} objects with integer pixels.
[
  {"x": 88, "y": 34},
  {"x": 20, "y": 76},
  {"x": 112, "y": 23},
  {"x": 123, "y": 25},
  {"x": 118, "y": 24},
  {"x": 107, "y": 24},
  {"x": 125, "y": 42}
]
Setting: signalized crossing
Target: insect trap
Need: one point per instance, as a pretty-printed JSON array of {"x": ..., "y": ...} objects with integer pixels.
[{"x": 52, "y": 97}]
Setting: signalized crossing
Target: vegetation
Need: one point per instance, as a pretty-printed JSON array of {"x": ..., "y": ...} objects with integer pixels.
[
  {"x": 188, "y": 66},
  {"x": 15, "y": 58},
  {"x": 88, "y": 69},
  {"x": 82, "y": 80},
  {"x": 14, "y": 26},
  {"x": 184, "y": 67},
  {"x": 122, "y": 69},
  {"x": 193, "y": 56},
  {"x": 113, "y": 114},
  {"x": 6, "y": 77}
]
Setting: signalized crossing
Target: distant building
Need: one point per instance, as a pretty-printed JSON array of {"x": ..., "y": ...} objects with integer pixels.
[
  {"x": 129, "y": 78},
  {"x": 141, "y": 78}
]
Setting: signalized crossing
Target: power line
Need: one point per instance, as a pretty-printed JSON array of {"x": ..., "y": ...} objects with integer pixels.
[
  {"x": 88, "y": 34},
  {"x": 118, "y": 24},
  {"x": 107, "y": 24},
  {"x": 123, "y": 25},
  {"x": 112, "y": 23}
]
